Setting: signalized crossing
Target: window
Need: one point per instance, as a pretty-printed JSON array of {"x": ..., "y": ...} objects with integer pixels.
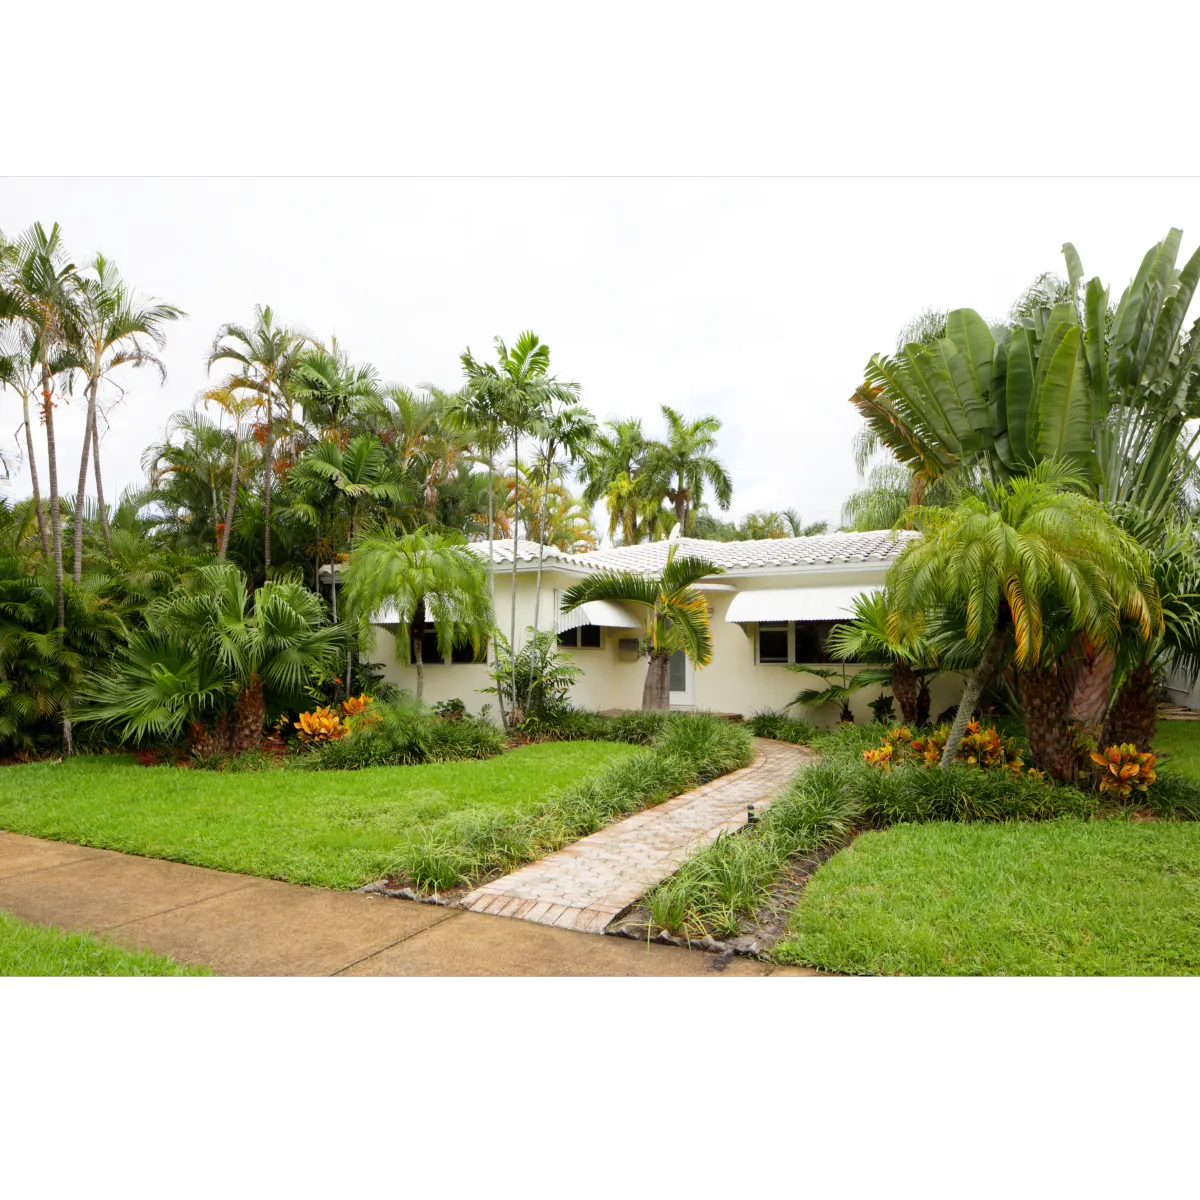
[
  {"x": 584, "y": 636},
  {"x": 773, "y": 642},
  {"x": 811, "y": 637},
  {"x": 430, "y": 654},
  {"x": 465, "y": 653},
  {"x": 677, "y": 672}
]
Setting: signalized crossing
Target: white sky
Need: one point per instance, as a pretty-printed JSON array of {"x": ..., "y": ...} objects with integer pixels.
[{"x": 756, "y": 300}]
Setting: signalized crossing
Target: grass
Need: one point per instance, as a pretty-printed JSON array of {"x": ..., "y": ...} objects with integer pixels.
[
  {"x": 41, "y": 950},
  {"x": 688, "y": 750},
  {"x": 331, "y": 828},
  {"x": 1064, "y": 897},
  {"x": 1181, "y": 740}
]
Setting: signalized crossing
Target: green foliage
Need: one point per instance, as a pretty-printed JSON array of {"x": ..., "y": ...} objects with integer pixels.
[
  {"x": 781, "y": 727},
  {"x": 690, "y": 750},
  {"x": 638, "y": 727},
  {"x": 400, "y": 734},
  {"x": 1174, "y": 794},
  {"x": 538, "y": 677}
]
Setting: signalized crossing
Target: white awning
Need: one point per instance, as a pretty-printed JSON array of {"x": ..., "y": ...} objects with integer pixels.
[
  {"x": 598, "y": 612},
  {"x": 831, "y": 602}
]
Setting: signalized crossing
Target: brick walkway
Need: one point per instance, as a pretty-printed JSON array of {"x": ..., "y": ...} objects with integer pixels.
[{"x": 585, "y": 885}]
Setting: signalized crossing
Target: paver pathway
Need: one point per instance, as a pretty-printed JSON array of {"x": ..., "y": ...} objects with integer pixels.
[
  {"x": 242, "y": 925},
  {"x": 585, "y": 885}
]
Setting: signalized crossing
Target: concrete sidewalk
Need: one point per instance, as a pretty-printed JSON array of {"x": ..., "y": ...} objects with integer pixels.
[{"x": 242, "y": 925}]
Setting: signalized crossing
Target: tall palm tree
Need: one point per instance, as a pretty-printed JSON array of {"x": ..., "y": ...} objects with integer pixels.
[
  {"x": 1027, "y": 554},
  {"x": 115, "y": 327},
  {"x": 677, "y": 615},
  {"x": 685, "y": 463},
  {"x": 40, "y": 289},
  {"x": 332, "y": 391},
  {"x": 417, "y": 574},
  {"x": 519, "y": 390},
  {"x": 237, "y": 403},
  {"x": 617, "y": 470},
  {"x": 266, "y": 355},
  {"x": 19, "y": 371},
  {"x": 799, "y": 528}
]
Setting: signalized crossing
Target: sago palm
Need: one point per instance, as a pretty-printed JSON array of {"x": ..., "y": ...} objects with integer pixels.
[
  {"x": 1027, "y": 552},
  {"x": 677, "y": 616},
  {"x": 426, "y": 578}
]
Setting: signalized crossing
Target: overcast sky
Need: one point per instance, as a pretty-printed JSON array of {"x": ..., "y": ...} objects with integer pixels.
[{"x": 758, "y": 301}]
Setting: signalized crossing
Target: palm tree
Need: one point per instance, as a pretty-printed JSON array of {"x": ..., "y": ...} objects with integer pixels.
[
  {"x": 684, "y": 463},
  {"x": 1025, "y": 554},
  {"x": 331, "y": 391},
  {"x": 237, "y": 403},
  {"x": 516, "y": 392},
  {"x": 799, "y": 528},
  {"x": 867, "y": 639},
  {"x": 19, "y": 371},
  {"x": 267, "y": 355},
  {"x": 617, "y": 470},
  {"x": 211, "y": 648},
  {"x": 570, "y": 429},
  {"x": 113, "y": 328},
  {"x": 40, "y": 289},
  {"x": 426, "y": 577},
  {"x": 839, "y": 687},
  {"x": 677, "y": 616}
]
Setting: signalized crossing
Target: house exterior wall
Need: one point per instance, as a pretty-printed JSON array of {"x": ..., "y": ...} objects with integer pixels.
[{"x": 734, "y": 682}]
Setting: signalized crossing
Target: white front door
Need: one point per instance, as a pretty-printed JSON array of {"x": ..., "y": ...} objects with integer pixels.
[{"x": 681, "y": 676}]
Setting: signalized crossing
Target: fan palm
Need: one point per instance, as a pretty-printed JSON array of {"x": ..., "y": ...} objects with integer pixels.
[
  {"x": 677, "y": 616},
  {"x": 266, "y": 356},
  {"x": 1032, "y": 549},
  {"x": 684, "y": 463},
  {"x": 424, "y": 577},
  {"x": 211, "y": 649}
]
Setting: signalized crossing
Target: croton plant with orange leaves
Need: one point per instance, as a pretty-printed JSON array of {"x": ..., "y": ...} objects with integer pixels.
[
  {"x": 982, "y": 746},
  {"x": 1124, "y": 769}
]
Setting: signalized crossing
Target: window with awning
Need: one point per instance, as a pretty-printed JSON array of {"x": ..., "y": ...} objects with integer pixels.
[
  {"x": 824, "y": 602},
  {"x": 607, "y": 614}
]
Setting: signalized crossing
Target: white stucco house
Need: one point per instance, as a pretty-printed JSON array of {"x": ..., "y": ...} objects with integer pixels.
[{"x": 773, "y": 605}]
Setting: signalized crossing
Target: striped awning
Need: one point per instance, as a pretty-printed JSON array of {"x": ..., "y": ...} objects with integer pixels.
[
  {"x": 598, "y": 612},
  {"x": 831, "y": 602}
]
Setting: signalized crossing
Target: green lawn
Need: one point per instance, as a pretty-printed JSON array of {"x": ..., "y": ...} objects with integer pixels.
[
  {"x": 38, "y": 950},
  {"x": 1181, "y": 741},
  {"x": 1057, "y": 898},
  {"x": 333, "y": 828}
]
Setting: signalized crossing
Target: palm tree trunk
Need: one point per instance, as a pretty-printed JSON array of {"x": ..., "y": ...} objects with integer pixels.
[
  {"x": 906, "y": 690},
  {"x": 100, "y": 505},
  {"x": 419, "y": 660},
  {"x": 233, "y": 486},
  {"x": 81, "y": 489},
  {"x": 512, "y": 616},
  {"x": 537, "y": 595},
  {"x": 1092, "y": 683},
  {"x": 681, "y": 507},
  {"x": 333, "y": 582},
  {"x": 269, "y": 466},
  {"x": 1134, "y": 713},
  {"x": 33, "y": 478},
  {"x": 492, "y": 565},
  {"x": 656, "y": 692},
  {"x": 1046, "y": 700},
  {"x": 976, "y": 682},
  {"x": 55, "y": 510},
  {"x": 249, "y": 714}
]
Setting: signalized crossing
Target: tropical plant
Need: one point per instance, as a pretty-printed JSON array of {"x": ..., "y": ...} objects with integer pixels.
[
  {"x": 617, "y": 469},
  {"x": 684, "y": 463},
  {"x": 415, "y": 580},
  {"x": 677, "y": 615},
  {"x": 537, "y": 677},
  {"x": 840, "y": 687},
  {"x": 212, "y": 651},
  {"x": 266, "y": 356},
  {"x": 517, "y": 393},
  {"x": 1124, "y": 770},
  {"x": 237, "y": 403},
  {"x": 1027, "y": 555},
  {"x": 114, "y": 327},
  {"x": 19, "y": 371},
  {"x": 331, "y": 391}
]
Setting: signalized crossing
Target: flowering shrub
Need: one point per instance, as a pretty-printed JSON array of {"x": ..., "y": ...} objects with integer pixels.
[
  {"x": 1124, "y": 770},
  {"x": 982, "y": 746},
  {"x": 320, "y": 726}
]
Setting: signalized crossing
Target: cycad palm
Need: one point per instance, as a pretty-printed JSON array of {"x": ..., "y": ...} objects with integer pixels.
[
  {"x": 1028, "y": 554},
  {"x": 676, "y": 614},
  {"x": 417, "y": 574}
]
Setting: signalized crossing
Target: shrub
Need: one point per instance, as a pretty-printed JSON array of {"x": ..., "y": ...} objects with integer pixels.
[
  {"x": 1174, "y": 795},
  {"x": 450, "y": 710},
  {"x": 689, "y": 750},
  {"x": 781, "y": 727},
  {"x": 637, "y": 728},
  {"x": 982, "y": 746},
  {"x": 320, "y": 726},
  {"x": 1124, "y": 770},
  {"x": 404, "y": 735}
]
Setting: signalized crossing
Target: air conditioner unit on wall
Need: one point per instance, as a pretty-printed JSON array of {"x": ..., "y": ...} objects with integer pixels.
[{"x": 627, "y": 645}]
